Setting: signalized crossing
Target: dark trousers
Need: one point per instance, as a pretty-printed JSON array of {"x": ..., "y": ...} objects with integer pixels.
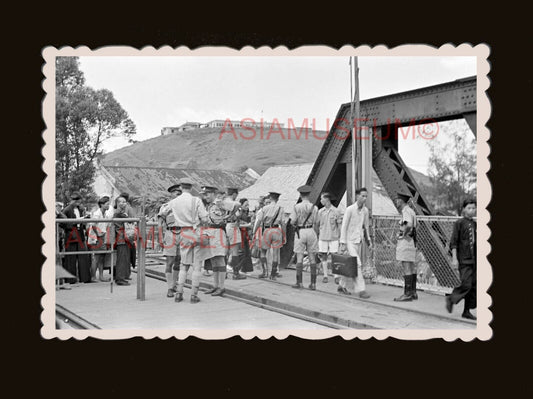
[
  {"x": 78, "y": 265},
  {"x": 133, "y": 257},
  {"x": 467, "y": 289},
  {"x": 123, "y": 262},
  {"x": 245, "y": 261}
]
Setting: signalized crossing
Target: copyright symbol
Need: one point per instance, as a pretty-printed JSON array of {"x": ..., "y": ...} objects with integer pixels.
[{"x": 429, "y": 130}]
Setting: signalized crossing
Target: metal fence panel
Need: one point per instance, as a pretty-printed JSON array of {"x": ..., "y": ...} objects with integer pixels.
[{"x": 433, "y": 254}]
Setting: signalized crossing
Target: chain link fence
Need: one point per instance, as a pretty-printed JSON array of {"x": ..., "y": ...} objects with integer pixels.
[{"x": 433, "y": 258}]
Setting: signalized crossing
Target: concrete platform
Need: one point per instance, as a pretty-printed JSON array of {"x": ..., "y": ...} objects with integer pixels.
[{"x": 121, "y": 310}]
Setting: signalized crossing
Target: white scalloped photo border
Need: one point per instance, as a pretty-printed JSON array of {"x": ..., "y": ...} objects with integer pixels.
[{"x": 483, "y": 330}]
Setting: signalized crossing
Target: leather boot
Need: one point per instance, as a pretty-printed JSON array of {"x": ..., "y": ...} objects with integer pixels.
[
  {"x": 406, "y": 297},
  {"x": 413, "y": 286},
  {"x": 299, "y": 269},
  {"x": 312, "y": 286}
]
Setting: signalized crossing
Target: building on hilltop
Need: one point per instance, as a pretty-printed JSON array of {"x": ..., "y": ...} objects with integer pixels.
[
  {"x": 218, "y": 123},
  {"x": 244, "y": 123},
  {"x": 186, "y": 126}
]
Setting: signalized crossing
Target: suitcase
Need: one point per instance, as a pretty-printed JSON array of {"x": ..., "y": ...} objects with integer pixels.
[{"x": 345, "y": 265}]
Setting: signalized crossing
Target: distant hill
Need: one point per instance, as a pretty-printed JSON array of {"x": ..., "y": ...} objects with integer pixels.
[{"x": 209, "y": 149}]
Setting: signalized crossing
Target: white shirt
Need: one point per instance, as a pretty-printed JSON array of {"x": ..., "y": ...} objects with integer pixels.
[
  {"x": 352, "y": 224},
  {"x": 102, "y": 226},
  {"x": 188, "y": 211}
]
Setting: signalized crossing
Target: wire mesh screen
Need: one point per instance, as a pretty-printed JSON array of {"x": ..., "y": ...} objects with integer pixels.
[{"x": 433, "y": 257}]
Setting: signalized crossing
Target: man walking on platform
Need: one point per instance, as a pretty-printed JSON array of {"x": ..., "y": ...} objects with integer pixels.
[
  {"x": 214, "y": 242},
  {"x": 329, "y": 222},
  {"x": 464, "y": 247},
  {"x": 355, "y": 224},
  {"x": 189, "y": 212},
  {"x": 171, "y": 241},
  {"x": 304, "y": 219},
  {"x": 405, "y": 248},
  {"x": 268, "y": 219}
]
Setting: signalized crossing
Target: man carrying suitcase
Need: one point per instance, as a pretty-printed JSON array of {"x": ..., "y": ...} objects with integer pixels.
[{"x": 354, "y": 227}]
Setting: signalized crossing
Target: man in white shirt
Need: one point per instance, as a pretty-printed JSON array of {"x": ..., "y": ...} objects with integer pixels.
[
  {"x": 329, "y": 222},
  {"x": 189, "y": 212},
  {"x": 354, "y": 228}
]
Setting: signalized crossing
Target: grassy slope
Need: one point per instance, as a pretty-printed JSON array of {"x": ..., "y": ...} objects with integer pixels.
[{"x": 208, "y": 149}]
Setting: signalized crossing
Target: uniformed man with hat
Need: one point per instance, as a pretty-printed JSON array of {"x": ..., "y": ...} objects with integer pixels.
[
  {"x": 405, "y": 247},
  {"x": 189, "y": 212},
  {"x": 304, "y": 218},
  {"x": 271, "y": 236},
  {"x": 233, "y": 231},
  {"x": 171, "y": 241},
  {"x": 214, "y": 242}
]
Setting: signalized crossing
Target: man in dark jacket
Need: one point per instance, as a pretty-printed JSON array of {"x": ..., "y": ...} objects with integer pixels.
[
  {"x": 463, "y": 245},
  {"x": 132, "y": 248},
  {"x": 78, "y": 265}
]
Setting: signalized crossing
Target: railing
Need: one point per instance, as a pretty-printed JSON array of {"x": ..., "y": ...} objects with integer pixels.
[
  {"x": 434, "y": 229},
  {"x": 381, "y": 266},
  {"x": 140, "y": 243}
]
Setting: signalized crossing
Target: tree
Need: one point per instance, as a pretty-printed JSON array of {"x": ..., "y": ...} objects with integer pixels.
[
  {"x": 452, "y": 167},
  {"x": 85, "y": 118}
]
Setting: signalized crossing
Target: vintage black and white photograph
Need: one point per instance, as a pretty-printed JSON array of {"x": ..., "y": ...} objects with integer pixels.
[{"x": 266, "y": 192}]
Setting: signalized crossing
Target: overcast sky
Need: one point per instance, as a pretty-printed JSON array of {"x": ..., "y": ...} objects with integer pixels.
[{"x": 168, "y": 91}]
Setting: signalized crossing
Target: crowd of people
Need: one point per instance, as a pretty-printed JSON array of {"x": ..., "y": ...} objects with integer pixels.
[
  {"x": 100, "y": 239},
  {"x": 216, "y": 233}
]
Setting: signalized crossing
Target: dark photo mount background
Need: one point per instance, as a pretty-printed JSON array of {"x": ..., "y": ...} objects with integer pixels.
[{"x": 332, "y": 366}]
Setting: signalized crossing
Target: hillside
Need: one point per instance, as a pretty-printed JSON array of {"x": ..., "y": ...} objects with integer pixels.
[{"x": 209, "y": 149}]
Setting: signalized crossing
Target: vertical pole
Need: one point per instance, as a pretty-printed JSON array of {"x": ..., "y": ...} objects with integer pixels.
[
  {"x": 112, "y": 268},
  {"x": 58, "y": 257},
  {"x": 141, "y": 275},
  {"x": 352, "y": 116}
]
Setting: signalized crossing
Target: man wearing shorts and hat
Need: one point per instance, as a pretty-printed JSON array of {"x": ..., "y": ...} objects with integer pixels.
[
  {"x": 171, "y": 241},
  {"x": 405, "y": 247},
  {"x": 189, "y": 212},
  {"x": 304, "y": 218},
  {"x": 269, "y": 220},
  {"x": 233, "y": 231},
  {"x": 214, "y": 242}
]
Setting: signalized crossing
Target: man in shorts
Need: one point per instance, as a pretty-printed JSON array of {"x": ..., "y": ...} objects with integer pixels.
[
  {"x": 329, "y": 222},
  {"x": 303, "y": 218},
  {"x": 189, "y": 212},
  {"x": 269, "y": 220},
  {"x": 405, "y": 248},
  {"x": 214, "y": 242},
  {"x": 171, "y": 241}
]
